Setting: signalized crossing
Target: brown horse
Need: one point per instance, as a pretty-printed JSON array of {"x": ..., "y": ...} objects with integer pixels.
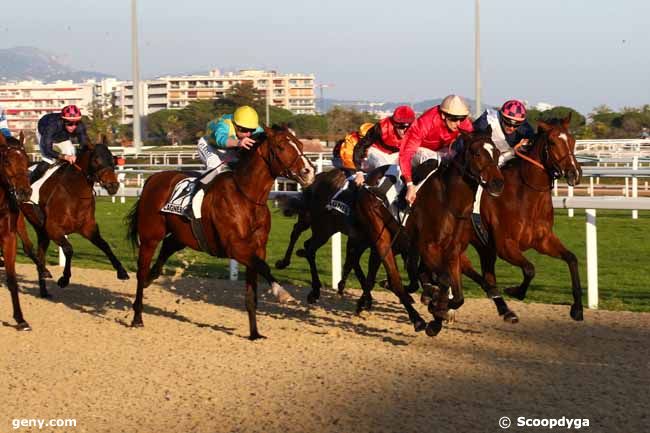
[
  {"x": 67, "y": 205},
  {"x": 235, "y": 217},
  {"x": 522, "y": 217},
  {"x": 14, "y": 189},
  {"x": 437, "y": 226}
]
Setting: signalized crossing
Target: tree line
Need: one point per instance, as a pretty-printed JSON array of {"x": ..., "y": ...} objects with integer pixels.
[{"x": 186, "y": 125}]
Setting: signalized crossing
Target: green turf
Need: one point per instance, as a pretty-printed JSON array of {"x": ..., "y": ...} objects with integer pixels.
[{"x": 623, "y": 249}]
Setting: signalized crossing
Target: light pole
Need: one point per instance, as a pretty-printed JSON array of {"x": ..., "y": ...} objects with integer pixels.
[
  {"x": 137, "y": 135},
  {"x": 477, "y": 57},
  {"x": 322, "y": 99}
]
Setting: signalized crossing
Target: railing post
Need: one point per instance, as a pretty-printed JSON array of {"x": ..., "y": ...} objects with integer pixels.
[
  {"x": 336, "y": 259},
  {"x": 234, "y": 270},
  {"x": 592, "y": 259},
  {"x": 319, "y": 163},
  {"x": 570, "y": 195},
  {"x": 635, "y": 185},
  {"x": 591, "y": 186}
]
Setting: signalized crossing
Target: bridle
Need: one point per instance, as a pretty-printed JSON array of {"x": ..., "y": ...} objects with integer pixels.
[
  {"x": 4, "y": 178},
  {"x": 286, "y": 170},
  {"x": 546, "y": 163}
]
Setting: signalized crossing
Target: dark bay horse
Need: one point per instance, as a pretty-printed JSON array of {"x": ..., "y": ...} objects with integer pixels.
[
  {"x": 67, "y": 205},
  {"x": 14, "y": 189},
  {"x": 522, "y": 217},
  {"x": 437, "y": 226},
  {"x": 235, "y": 216}
]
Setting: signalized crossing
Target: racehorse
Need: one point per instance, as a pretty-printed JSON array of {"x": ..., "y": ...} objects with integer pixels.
[
  {"x": 67, "y": 205},
  {"x": 14, "y": 189},
  {"x": 235, "y": 217},
  {"x": 522, "y": 217},
  {"x": 437, "y": 225}
]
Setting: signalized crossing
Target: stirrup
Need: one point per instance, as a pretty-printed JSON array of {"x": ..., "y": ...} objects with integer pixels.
[{"x": 479, "y": 228}]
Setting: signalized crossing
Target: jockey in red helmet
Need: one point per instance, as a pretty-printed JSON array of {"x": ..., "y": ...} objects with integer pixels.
[
  {"x": 382, "y": 142},
  {"x": 57, "y": 134}
]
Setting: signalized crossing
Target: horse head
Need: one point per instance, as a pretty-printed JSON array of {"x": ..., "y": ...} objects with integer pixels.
[
  {"x": 14, "y": 163},
  {"x": 479, "y": 160},
  {"x": 558, "y": 153},
  {"x": 100, "y": 166},
  {"x": 285, "y": 156}
]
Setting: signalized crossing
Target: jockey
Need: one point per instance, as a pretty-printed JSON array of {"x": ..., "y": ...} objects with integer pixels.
[
  {"x": 4, "y": 125},
  {"x": 509, "y": 128},
  {"x": 56, "y": 134},
  {"x": 430, "y": 137},
  {"x": 379, "y": 147},
  {"x": 226, "y": 136},
  {"x": 343, "y": 152},
  {"x": 382, "y": 143}
]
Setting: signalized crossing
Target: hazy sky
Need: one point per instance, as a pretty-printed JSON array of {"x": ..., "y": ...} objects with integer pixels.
[{"x": 566, "y": 52}]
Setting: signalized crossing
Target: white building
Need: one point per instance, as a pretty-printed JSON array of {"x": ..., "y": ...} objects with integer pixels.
[{"x": 294, "y": 92}]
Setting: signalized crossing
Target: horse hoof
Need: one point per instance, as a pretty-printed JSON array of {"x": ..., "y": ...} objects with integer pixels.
[
  {"x": 137, "y": 324},
  {"x": 419, "y": 325},
  {"x": 341, "y": 287},
  {"x": 312, "y": 297},
  {"x": 456, "y": 304},
  {"x": 301, "y": 253},
  {"x": 63, "y": 282},
  {"x": 451, "y": 316},
  {"x": 412, "y": 288},
  {"x": 433, "y": 328},
  {"x": 45, "y": 274},
  {"x": 511, "y": 317},
  {"x": 576, "y": 313},
  {"x": 286, "y": 298},
  {"x": 281, "y": 264},
  {"x": 256, "y": 336},
  {"x": 122, "y": 275},
  {"x": 24, "y": 326},
  {"x": 410, "y": 299},
  {"x": 514, "y": 292},
  {"x": 45, "y": 294}
]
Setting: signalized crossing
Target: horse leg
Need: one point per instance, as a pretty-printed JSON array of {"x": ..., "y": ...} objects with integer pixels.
[
  {"x": 91, "y": 232},
  {"x": 28, "y": 247},
  {"x": 552, "y": 246},
  {"x": 365, "y": 300},
  {"x": 395, "y": 283},
  {"x": 145, "y": 254},
  {"x": 300, "y": 226},
  {"x": 65, "y": 245},
  {"x": 169, "y": 246},
  {"x": 9, "y": 251},
  {"x": 251, "y": 303},
  {"x": 513, "y": 255},
  {"x": 312, "y": 245},
  {"x": 488, "y": 260},
  {"x": 353, "y": 251},
  {"x": 43, "y": 244}
]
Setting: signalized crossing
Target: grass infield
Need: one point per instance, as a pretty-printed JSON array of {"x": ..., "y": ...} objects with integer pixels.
[{"x": 623, "y": 251}]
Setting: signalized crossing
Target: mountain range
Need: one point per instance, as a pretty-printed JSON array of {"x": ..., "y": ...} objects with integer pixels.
[{"x": 29, "y": 63}]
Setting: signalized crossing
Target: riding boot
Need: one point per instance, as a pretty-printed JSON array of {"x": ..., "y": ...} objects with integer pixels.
[
  {"x": 38, "y": 171},
  {"x": 479, "y": 228}
]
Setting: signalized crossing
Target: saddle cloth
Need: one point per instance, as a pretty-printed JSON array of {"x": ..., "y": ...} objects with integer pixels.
[
  {"x": 36, "y": 186},
  {"x": 182, "y": 197}
]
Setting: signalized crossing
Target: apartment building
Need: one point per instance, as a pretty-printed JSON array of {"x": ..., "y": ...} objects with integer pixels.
[
  {"x": 294, "y": 92},
  {"x": 27, "y": 101}
]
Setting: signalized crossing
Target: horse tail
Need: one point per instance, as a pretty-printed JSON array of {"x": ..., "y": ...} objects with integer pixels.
[
  {"x": 292, "y": 205},
  {"x": 131, "y": 220}
]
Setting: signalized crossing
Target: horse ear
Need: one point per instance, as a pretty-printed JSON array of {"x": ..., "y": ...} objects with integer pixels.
[
  {"x": 21, "y": 138},
  {"x": 488, "y": 131},
  {"x": 566, "y": 121},
  {"x": 3, "y": 141},
  {"x": 104, "y": 140},
  {"x": 543, "y": 125}
]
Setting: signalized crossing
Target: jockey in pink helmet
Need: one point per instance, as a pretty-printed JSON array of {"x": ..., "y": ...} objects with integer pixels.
[{"x": 509, "y": 128}]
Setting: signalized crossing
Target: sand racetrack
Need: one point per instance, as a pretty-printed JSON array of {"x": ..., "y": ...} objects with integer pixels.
[{"x": 321, "y": 369}]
